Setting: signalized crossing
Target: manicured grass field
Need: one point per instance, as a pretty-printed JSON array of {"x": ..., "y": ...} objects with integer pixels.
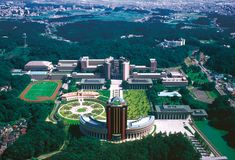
[
  {"x": 138, "y": 104},
  {"x": 41, "y": 91},
  {"x": 216, "y": 138}
]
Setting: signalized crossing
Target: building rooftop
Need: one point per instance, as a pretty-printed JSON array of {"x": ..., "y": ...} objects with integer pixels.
[
  {"x": 92, "y": 122},
  {"x": 174, "y": 79},
  {"x": 140, "y": 122},
  {"x": 38, "y": 63},
  {"x": 139, "y": 81},
  {"x": 93, "y": 81},
  {"x": 169, "y": 94},
  {"x": 173, "y": 108},
  {"x": 199, "y": 112}
]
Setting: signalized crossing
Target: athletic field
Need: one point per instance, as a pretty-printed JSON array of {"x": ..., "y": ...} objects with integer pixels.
[{"x": 41, "y": 91}]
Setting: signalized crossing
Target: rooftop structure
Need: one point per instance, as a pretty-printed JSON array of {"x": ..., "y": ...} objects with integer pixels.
[
  {"x": 38, "y": 66},
  {"x": 92, "y": 84},
  {"x": 172, "y": 111},
  {"x": 139, "y": 83},
  {"x": 67, "y": 65},
  {"x": 169, "y": 94},
  {"x": 175, "y": 82}
]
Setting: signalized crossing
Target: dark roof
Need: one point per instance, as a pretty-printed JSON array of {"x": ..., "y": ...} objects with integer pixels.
[
  {"x": 173, "y": 108},
  {"x": 93, "y": 81},
  {"x": 139, "y": 81}
]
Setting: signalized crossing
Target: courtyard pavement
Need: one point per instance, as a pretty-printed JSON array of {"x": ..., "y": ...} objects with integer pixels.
[{"x": 173, "y": 126}]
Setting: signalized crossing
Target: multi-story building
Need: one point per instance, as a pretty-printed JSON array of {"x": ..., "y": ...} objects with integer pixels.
[
  {"x": 125, "y": 70},
  {"x": 116, "y": 126},
  {"x": 107, "y": 70},
  {"x": 116, "y": 111},
  {"x": 153, "y": 65}
]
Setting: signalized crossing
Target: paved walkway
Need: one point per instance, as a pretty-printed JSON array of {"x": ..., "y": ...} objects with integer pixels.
[
  {"x": 115, "y": 89},
  {"x": 173, "y": 126}
]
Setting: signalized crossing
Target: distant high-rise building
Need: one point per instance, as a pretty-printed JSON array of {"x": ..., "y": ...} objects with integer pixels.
[
  {"x": 153, "y": 65},
  {"x": 84, "y": 63},
  {"x": 24, "y": 36},
  {"x": 125, "y": 70},
  {"x": 116, "y": 112},
  {"x": 107, "y": 70}
]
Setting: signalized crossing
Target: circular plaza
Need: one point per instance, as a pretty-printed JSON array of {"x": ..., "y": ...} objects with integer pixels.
[{"x": 71, "y": 111}]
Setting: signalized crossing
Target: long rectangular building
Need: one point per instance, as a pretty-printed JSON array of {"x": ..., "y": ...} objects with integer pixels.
[
  {"x": 92, "y": 84},
  {"x": 38, "y": 66},
  {"x": 172, "y": 111},
  {"x": 139, "y": 83}
]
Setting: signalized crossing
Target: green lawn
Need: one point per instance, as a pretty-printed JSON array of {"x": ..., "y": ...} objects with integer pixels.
[
  {"x": 138, "y": 104},
  {"x": 216, "y": 138},
  {"x": 213, "y": 94},
  {"x": 41, "y": 89},
  {"x": 198, "y": 77}
]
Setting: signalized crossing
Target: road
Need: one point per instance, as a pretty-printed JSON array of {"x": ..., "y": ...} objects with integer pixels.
[{"x": 207, "y": 72}]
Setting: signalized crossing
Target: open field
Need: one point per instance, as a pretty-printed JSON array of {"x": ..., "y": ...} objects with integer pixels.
[
  {"x": 138, "y": 104},
  {"x": 41, "y": 91},
  {"x": 216, "y": 137}
]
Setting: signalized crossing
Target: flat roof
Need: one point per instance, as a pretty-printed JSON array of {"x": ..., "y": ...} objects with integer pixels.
[
  {"x": 199, "y": 112},
  {"x": 38, "y": 63},
  {"x": 93, "y": 81},
  {"x": 86, "y": 74},
  {"x": 173, "y": 108},
  {"x": 140, "y": 123},
  {"x": 174, "y": 79},
  {"x": 93, "y": 122},
  {"x": 37, "y": 72},
  {"x": 140, "y": 81},
  {"x": 150, "y": 74}
]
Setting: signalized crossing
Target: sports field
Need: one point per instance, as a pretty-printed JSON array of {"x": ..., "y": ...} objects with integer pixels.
[{"x": 41, "y": 91}]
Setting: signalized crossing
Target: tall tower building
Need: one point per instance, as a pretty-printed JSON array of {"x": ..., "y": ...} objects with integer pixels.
[
  {"x": 107, "y": 70},
  {"x": 153, "y": 65},
  {"x": 116, "y": 112},
  {"x": 84, "y": 63},
  {"x": 125, "y": 70}
]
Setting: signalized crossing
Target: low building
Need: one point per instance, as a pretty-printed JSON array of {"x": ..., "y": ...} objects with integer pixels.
[
  {"x": 175, "y": 74},
  {"x": 67, "y": 65},
  {"x": 92, "y": 84},
  {"x": 136, "y": 129},
  {"x": 199, "y": 114},
  {"x": 38, "y": 75},
  {"x": 153, "y": 76},
  {"x": 169, "y": 94},
  {"x": 59, "y": 75},
  {"x": 175, "y": 82},
  {"x": 77, "y": 75},
  {"x": 172, "y": 111},
  {"x": 139, "y": 83},
  {"x": 38, "y": 66},
  {"x": 80, "y": 94}
]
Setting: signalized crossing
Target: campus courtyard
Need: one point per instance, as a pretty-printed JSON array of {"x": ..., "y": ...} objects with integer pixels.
[{"x": 71, "y": 111}]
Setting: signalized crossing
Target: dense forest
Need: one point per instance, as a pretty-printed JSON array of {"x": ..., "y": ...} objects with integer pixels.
[
  {"x": 159, "y": 147},
  {"x": 99, "y": 39},
  {"x": 222, "y": 116}
]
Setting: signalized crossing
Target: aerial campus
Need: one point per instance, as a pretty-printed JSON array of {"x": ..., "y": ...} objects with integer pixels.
[
  {"x": 101, "y": 103},
  {"x": 117, "y": 80}
]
